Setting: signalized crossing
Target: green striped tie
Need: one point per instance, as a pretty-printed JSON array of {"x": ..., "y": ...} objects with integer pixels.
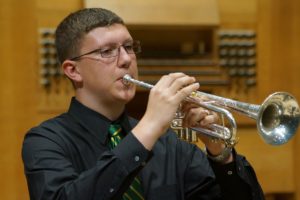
[{"x": 134, "y": 191}]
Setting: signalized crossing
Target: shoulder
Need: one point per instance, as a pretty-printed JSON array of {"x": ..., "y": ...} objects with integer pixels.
[
  {"x": 53, "y": 125},
  {"x": 49, "y": 133},
  {"x": 44, "y": 139}
]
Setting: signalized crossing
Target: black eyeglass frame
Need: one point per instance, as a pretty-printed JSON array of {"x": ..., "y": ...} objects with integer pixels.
[{"x": 136, "y": 47}]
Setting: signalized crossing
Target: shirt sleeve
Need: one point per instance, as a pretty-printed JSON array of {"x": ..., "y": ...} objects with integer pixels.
[
  {"x": 237, "y": 179},
  {"x": 51, "y": 175}
]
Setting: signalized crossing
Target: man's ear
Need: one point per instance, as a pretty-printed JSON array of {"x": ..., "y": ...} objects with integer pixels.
[{"x": 71, "y": 71}]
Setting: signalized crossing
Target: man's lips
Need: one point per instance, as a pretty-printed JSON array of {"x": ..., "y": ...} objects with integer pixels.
[{"x": 120, "y": 79}]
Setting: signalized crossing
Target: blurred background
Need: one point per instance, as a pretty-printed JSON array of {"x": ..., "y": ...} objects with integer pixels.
[{"x": 243, "y": 50}]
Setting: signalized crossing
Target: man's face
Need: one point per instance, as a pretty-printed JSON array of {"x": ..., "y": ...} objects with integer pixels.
[{"x": 102, "y": 77}]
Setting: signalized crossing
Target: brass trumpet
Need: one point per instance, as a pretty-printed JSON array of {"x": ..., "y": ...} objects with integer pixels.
[{"x": 277, "y": 118}]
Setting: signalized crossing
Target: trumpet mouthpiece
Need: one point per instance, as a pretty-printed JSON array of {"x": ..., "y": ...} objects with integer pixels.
[{"x": 126, "y": 79}]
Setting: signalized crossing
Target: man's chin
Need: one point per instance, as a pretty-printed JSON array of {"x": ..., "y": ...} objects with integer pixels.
[{"x": 127, "y": 96}]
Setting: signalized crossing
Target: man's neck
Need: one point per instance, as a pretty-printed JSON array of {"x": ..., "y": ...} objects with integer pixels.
[{"x": 110, "y": 110}]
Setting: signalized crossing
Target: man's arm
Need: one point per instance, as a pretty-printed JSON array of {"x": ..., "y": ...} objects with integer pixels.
[
  {"x": 237, "y": 179},
  {"x": 51, "y": 174},
  {"x": 234, "y": 174}
]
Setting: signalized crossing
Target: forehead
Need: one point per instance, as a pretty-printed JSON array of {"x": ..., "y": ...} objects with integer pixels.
[{"x": 116, "y": 33}]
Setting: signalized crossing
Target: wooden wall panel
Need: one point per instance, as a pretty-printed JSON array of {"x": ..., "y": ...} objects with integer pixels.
[
  {"x": 276, "y": 22},
  {"x": 238, "y": 14},
  {"x": 279, "y": 60},
  {"x": 17, "y": 51},
  {"x": 19, "y": 21},
  {"x": 279, "y": 46},
  {"x": 149, "y": 12},
  {"x": 277, "y": 27},
  {"x": 273, "y": 165}
]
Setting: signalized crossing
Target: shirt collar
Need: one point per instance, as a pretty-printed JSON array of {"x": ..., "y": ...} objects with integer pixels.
[{"x": 95, "y": 122}]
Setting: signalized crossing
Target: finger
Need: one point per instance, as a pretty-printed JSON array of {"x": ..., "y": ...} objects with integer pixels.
[
  {"x": 181, "y": 83},
  {"x": 161, "y": 88},
  {"x": 186, "y": 91},
  {"x": 209, "y": 119},
  {"x": 168, "y": 80},
  {"x": 194, "y": 116},
  {"x": 186, "y": 106}
]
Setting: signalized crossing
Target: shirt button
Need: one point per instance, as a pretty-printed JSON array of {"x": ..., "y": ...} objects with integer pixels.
[
  {"x": 229, "y": 172},
  {"x": 111, "y": 190},
  {"x": 136, "y": 158}
]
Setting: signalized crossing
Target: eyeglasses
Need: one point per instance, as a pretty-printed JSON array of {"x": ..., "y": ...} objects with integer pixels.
[{"x": 132, "y": 47}]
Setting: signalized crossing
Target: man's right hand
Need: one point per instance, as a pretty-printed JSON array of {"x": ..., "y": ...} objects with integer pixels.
[{"x": 164, "y": 100}]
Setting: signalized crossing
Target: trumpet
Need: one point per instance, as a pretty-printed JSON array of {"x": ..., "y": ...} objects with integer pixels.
[{"x": 277, "y": 118}]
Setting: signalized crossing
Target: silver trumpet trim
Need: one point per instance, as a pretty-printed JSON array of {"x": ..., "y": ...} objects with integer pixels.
[{"x": 277, "y": 118}]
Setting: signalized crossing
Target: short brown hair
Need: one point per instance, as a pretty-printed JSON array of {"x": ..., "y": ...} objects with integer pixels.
[{"x": 74, "y": 27}]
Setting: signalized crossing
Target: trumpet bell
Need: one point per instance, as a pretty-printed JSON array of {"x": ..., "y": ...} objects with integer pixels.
[{"x": 278, "y": 118}]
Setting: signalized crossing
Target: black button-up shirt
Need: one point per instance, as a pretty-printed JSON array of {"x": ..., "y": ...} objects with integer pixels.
[{"x": 68, "y": 157}]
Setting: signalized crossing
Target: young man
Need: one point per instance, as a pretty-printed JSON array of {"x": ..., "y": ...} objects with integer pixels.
[{"x": 75, "y": 156}]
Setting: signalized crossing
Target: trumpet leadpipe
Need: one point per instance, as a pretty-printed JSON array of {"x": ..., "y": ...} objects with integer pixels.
[{"x": 127, "y": 79}]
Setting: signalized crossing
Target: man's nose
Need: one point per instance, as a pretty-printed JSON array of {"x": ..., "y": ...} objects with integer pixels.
[{"x": 124, "y": 58}]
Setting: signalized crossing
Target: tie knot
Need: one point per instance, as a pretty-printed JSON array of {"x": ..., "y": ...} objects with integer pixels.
[
  {"x": 115, "y": 135},
  {"x": 114, "y": 129}
]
